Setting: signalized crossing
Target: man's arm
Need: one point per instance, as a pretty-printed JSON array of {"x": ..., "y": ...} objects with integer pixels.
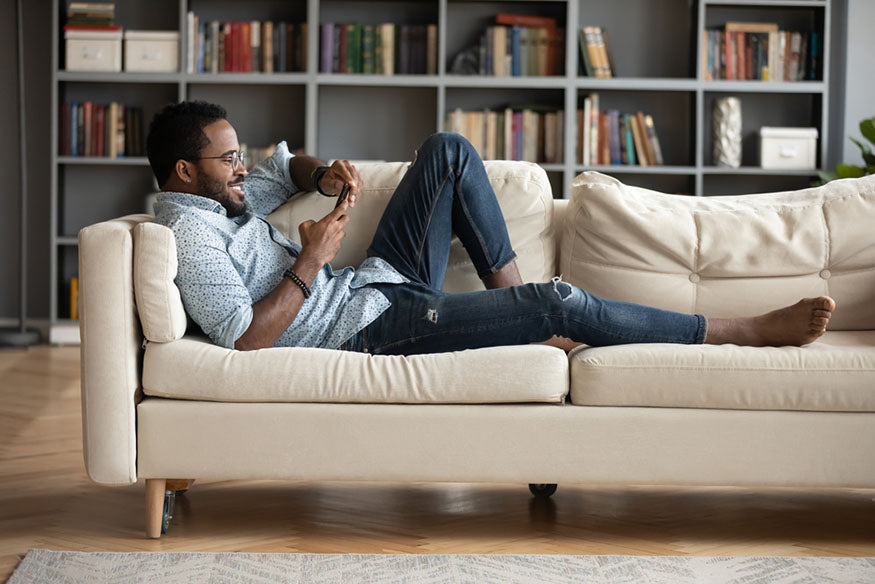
[
  {"x": 341, "y": 172},
  {"x": 274, "y": 313}
]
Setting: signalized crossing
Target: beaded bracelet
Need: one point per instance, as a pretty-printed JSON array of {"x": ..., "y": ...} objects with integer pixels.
[{"x": 289, "y": 273}]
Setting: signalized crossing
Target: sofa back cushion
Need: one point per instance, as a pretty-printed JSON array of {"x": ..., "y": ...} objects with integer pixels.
[
  {"x": 724, "y": 256},
  {"x": 523, "y": 192},
  {"x": 159, "y": 304}
]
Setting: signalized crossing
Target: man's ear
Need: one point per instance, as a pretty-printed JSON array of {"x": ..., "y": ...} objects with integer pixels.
[{"x": 184, "y": 170}]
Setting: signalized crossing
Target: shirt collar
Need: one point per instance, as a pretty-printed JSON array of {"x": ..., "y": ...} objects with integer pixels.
[{"x": 197, "y": 201}]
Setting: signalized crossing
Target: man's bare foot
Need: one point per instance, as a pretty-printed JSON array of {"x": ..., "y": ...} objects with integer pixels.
[{"x": 795, "y": 325}]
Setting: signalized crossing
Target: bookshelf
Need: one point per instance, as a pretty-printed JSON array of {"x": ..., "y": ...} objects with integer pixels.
[{"x": 656, "y": 57}]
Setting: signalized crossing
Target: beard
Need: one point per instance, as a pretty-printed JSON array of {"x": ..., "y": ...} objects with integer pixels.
[{"x": 221, "y": 193}]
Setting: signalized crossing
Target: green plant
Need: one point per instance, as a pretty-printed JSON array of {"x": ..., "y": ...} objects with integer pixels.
[{"x": 867, "y": 127}]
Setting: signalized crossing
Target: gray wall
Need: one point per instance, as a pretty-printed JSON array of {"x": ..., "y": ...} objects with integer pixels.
[
  {"x": 37, "y": 51},
  {"x": 859, "y": 99}
]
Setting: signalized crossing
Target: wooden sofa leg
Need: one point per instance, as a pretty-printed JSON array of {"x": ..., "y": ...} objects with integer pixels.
[
  {"x": 179, "y": 484},
  {"x": 154, "y": 506}
]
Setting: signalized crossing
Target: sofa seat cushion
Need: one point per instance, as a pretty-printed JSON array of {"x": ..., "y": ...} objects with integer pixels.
[
  {"x": 836, "y": 373},
  {"x": 193, "y": 368}
]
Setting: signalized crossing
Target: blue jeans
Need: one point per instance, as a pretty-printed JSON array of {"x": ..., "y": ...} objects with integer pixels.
[{"x": 446, "y": 190}]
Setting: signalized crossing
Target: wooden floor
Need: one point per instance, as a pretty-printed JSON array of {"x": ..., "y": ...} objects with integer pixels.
[{"x": 47, "y": 501}]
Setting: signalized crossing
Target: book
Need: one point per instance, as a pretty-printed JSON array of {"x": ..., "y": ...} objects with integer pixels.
[
  {"x": 638, "y": 139},
  {"x": 369, "y": 39},
  {"x": 585, "y": 58},
  {"x": 614, "y": 140},
  {"x": 587, "y": 144},
  {"x": 653, "y": 141},
  {"x": 432, "y": 49},
  {"x": 74, "y": 298},
  {"x": 630, "y": 140},
  {"x": 387, "y": 41},
  {"x": 648, "y": 148}
]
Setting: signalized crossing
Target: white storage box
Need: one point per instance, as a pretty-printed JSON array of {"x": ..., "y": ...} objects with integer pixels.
[
  {"x": 94, "y": 50},
  {"x": 151, "y": 51},
  {"x": 788, "y": 148}
]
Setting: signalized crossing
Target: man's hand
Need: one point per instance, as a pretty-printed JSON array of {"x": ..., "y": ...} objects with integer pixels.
[
  {"x": 339, "y": 173},
  {"x": 320, "y": 240}
]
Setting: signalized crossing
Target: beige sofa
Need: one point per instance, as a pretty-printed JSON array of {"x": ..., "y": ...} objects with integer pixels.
[{"x": 158, "y": 404}]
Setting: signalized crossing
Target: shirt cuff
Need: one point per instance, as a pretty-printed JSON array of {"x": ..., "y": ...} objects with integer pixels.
[
  {"x": 282, "y": 156},
  {"x": 233, "y": 328}
]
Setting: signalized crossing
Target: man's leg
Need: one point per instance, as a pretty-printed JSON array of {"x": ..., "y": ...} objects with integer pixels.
[
  {"x": 422, "y": 320},
  {"x": 445, "y": 191}
]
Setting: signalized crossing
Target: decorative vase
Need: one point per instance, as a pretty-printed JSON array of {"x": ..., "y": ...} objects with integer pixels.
[{"x": 726, "y": 118}]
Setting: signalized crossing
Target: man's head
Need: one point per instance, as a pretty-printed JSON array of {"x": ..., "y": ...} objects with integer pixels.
[{"x": 193, "y": 149}]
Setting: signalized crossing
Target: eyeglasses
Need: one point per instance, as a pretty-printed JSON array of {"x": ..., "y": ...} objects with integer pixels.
[{"x": 236, "y": 159}]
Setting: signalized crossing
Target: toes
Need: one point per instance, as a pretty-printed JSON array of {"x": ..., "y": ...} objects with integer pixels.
[
  {"x": 821, "y": 313},
  {"x": 824, "y": 303},
  {"x": 819, "y": 322}
]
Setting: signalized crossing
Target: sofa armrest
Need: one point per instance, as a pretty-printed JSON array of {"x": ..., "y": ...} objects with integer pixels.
[{"x": 110, "y": 350}]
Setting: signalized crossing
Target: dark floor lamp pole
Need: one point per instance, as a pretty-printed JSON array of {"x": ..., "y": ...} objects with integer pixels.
[{"x": 21, "y": 337}]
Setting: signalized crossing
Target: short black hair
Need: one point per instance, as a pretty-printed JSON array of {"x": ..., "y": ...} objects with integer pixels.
[{"x": 177, "y": 132}]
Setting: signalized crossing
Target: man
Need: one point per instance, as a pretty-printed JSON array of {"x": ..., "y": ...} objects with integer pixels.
[{"x": 249, "y": 287}]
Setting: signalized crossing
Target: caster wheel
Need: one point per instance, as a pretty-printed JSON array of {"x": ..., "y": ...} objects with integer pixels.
[
  {"x": 169, "y": 502},
  {"x": 542, "y": 491}
]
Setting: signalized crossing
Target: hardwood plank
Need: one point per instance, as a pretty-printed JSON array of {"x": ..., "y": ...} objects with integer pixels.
[{"x": 47, "y": 501}]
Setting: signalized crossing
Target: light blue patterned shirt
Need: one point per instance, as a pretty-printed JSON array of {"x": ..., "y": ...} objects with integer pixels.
[{"x": 228, "y": 264}]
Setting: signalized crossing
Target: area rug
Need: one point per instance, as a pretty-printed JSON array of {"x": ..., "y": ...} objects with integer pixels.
[{"x": 240, "y": 568}]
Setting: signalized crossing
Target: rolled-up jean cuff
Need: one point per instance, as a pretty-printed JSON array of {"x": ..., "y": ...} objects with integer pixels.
[
  {"x": 497, "y": 266},
  {"x": 703, "y": 329}
]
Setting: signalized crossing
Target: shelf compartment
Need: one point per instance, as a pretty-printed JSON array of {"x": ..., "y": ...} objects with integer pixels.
[
  {"x": 374, "y": 123},
  {"x": 635, "y": 169},
  {"x": 104, "y": 160},
  {"x": 98, "y": 77},
  {"x": 246, "y": 78},
  {"x": 766, "y": 86},
  {"x": 636, "y": 36},
  {"x": 470, "y": 20},
  {"x": 265, "y": 116},
  {"x": 260, "y": 10},
  {"x": 477, "y": 100},
  {"x": 746, "y": 184},
  {"x": 757, "y": 171},
  {"x": 757, "y": 110},
  {"x": 670, "y": 110},
  {"x": 361, "y": 80},
  {"x": 99, "y": 193},
  {"x": 679, "y": 183},
  {"x": 68, "y": 268},
  {"x": 637, "y": 84}
]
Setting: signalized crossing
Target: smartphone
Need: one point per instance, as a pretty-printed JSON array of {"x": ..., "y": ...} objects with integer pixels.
[{"x": 344, "y": 193}]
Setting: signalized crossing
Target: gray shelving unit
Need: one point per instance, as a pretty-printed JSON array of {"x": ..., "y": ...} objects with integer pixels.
[{"x": 654, "y": 46}]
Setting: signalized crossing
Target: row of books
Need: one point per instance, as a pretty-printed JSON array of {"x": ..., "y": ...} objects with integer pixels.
[
  {"x": 606, "y": 137},
  {"x": 91, "y": 14},
  {"x": 534, "y": 134},
  {"x": 245, "y": 47},
  {"x": 593, "y": 44},
  {"x": 521, "y": 45},
  {"x": 759, "y": 51},
  {"x": 382, "y": 49},
  {"x": 90, "y": 129}
]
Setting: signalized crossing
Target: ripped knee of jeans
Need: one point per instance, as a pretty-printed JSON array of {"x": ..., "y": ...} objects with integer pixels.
[{"x": 562, "y": 289}]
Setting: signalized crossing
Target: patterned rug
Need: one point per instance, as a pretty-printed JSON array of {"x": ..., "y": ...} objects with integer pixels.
[{"x": 74, "y": 567}]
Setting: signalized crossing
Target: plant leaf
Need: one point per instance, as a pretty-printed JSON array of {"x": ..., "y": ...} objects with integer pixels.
[
  {"x": 864, "y": 148},
  {"x": 826, "y": 176},
  {"x": 870, "y": 169},
  {"x": 867, "y": 127},
  {"x": 850, "y": 171}
]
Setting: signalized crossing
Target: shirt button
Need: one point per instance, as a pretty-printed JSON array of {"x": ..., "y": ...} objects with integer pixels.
[
  {"x": 825, "y": 274},
  {"x": 694, "y": 278}
]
